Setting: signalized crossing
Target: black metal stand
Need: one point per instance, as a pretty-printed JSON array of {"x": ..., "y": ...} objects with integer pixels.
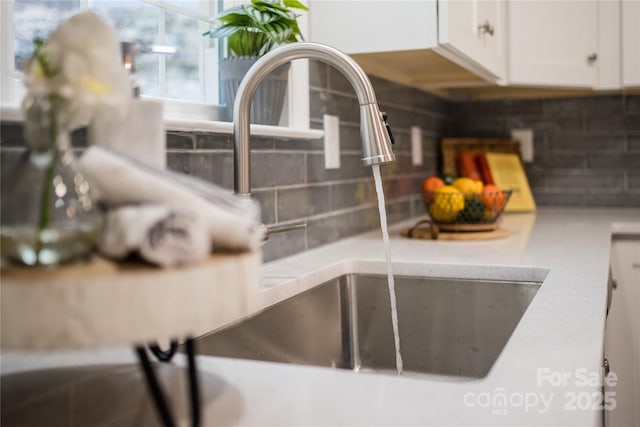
[
  {"x": 194, "y": 389},
  {"x": 161, "y": 355},
  {"x": 164, "y": 411}
]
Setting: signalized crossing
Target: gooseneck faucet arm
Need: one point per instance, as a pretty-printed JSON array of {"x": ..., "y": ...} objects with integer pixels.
[{"x": 376, "y": 137}]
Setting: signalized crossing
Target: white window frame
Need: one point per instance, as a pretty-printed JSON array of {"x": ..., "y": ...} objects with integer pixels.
[{"x": 179, "y": 115}]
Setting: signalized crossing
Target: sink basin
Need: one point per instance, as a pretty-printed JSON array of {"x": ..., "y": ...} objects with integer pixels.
[{"x": 449, "y": 327}]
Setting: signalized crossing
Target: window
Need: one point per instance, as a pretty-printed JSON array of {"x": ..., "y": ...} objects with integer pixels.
[{"x": 174, "y": 61}]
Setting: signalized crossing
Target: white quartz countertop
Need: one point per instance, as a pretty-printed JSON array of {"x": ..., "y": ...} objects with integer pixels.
[{"x": 561, "y": 333}]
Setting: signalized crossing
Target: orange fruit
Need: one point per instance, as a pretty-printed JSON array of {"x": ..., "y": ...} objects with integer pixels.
[
  {"x": 493, "y": 198},
  {"x": 430, "y": 185}
]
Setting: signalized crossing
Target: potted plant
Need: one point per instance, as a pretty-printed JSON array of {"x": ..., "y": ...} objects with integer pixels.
[{"x": 251, "y": 31}]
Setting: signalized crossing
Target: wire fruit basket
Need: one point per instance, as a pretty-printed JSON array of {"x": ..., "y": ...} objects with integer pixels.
[{"x": 460, "y": 211}]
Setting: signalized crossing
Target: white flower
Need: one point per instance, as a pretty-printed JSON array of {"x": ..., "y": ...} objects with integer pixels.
[{"x": 84, "y": 68}]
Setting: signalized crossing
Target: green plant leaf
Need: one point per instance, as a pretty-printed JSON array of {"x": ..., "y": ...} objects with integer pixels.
[
  {"x": 295, "y": 4},
  {"x": 224, "y": 15},
  {"x": 247, "y": 42},
  {"x": 258, "y": 27},
  {"x": 296, "y": 35},
  {"x": 223, "y": 31},
  {"x": 278, "y": 31},
  {"x": 275, "y": 9},
  {"x": 258, "y": 16},
  {"x": 268, "y": 3}
]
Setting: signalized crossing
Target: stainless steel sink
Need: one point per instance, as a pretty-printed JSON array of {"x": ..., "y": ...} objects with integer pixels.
[{"x": 447, "y": 327}]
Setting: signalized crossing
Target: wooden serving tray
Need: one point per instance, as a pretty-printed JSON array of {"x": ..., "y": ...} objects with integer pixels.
[
  {"x": 427, "y": 230},
  {"x": 100, "y": 303},
  {"x": 468, "y": 227}
]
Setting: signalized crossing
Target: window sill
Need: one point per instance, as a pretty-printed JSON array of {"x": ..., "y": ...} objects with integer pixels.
[
  {"x": 14, "y": 114},
  {"x": 226, "y": 128}
]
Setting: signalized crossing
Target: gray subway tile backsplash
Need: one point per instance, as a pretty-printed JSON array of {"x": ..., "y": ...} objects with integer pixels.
[
  {"x": 351, "y": 194},
  {"x": 338, "y": 225},
  {"x": 633, "y": 141},
  {"x": 580, "y": 180},
  {"x": 342, "y": 105},
  {"x": 338, "y": 82},
  {"x": 267, "y": 200},
  {"x": 418, "y": 206},
  {"x": 621, "y": 160},
  {"x": 596, "y": 142},
  {"x": 398, "y": 211},
  {"x": 274, "y": 169},
  {"x": 631, "y": 122},
  {"x": 587, "y": 153},
  {"x": 301, "y": 145},
  {"x": 558, "y": 198},
  {"x": 295, "y": 203},
  {"x": 283, "y": 244},
  {"x": 631, "y": 104},
  {"x": 350, "y": 139},
  {"x": 560, "y": 160},
  {"x": 610, "y": 198},
  {"x": 212, "y": 167},
  {"x": 633, "y": 180},
  {"x": 350, "y": 168},
  {"x": 403, "y": 186},
  {"x": 403, "y": 96},
  {"x": 213, "y": 142},
  {"x": 587, "y": 150},
  {"x": 556, "y": 109},
  {"x": 180, "y": 141}
]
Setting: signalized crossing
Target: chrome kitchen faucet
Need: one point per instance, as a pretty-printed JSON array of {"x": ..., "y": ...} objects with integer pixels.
[{"x": 376, "y": 135}]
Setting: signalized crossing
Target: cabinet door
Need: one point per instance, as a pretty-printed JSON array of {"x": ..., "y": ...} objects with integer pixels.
[
  {"x": 373, "y": 26},
  {"x": 622, "y": 335},
  {"x": 609, "y": 74},
  {"x": 631, "y": 43},
  {"x": 472, "y": 33},
  {"x": 553, "y": 43}
]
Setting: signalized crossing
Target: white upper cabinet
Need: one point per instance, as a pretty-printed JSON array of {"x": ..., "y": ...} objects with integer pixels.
[
  {"x": 608, "y": 71},
  {"x": 397, "y": 39},
  {"x": 373, "y": 26},
  {"x": 631, "y": 43},
  {"x": 434, "y": 44},
  {"x": 553, "y": 43},
  {"x": 472, "y": 33}
]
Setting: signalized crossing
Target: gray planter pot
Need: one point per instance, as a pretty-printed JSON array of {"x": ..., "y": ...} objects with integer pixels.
[{"x": 269, "y": 99}]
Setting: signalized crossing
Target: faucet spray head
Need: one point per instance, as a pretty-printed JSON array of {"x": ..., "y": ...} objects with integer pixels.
[{"x": 376, "y": 136}]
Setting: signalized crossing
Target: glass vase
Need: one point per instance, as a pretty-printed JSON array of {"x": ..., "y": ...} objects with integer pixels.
[{"x": 48, "y": 215}]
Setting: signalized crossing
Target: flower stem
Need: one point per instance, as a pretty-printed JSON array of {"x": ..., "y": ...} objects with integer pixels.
[{"x": 45, "y": 196}]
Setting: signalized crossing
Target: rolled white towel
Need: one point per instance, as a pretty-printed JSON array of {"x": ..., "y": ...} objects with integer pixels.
[
  {"x": 117, "y": 180},
  {"x": 160, "y": 235}
]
